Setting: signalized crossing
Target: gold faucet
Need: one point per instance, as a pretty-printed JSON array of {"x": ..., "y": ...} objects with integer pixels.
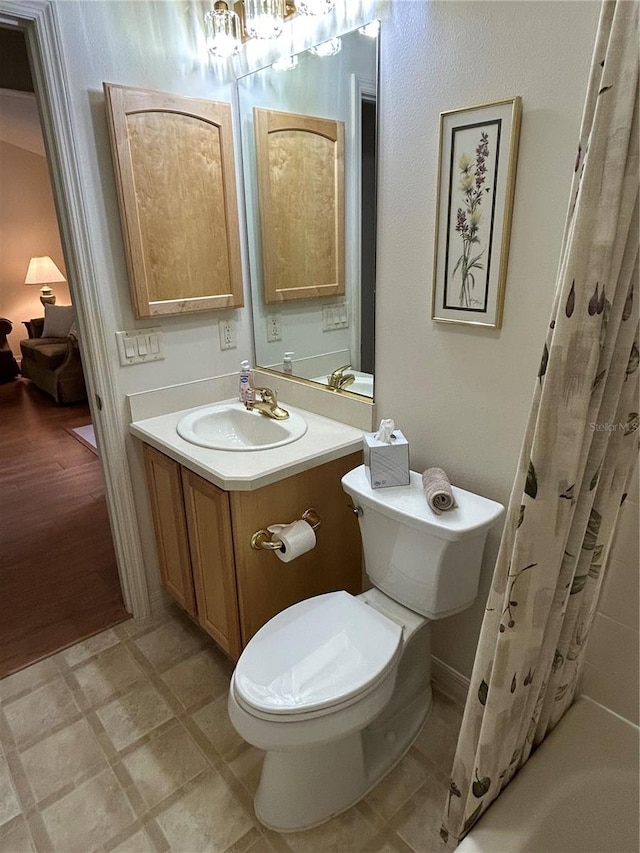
[
  {"x": 339, "y": 379},
  {"x": 268, "y": 405}
]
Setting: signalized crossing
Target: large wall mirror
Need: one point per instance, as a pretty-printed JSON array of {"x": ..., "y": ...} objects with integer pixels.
[{"x": 308, "y": 128}]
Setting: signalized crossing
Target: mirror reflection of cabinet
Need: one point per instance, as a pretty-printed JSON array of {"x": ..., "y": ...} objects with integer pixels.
[
  {"x": 175, "y": 174},
  {"x": 327, "y": 332},
  {"x": 300, "y": 163}
]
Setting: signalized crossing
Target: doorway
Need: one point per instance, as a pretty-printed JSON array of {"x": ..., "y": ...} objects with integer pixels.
[
  {"x": 57, "y": 563},
  {"x": 368, "y": 188}
]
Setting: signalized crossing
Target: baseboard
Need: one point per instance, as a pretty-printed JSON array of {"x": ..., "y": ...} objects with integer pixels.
[
  {"x": 449, "y": 681},
  {"x": 159, "y": 600}
]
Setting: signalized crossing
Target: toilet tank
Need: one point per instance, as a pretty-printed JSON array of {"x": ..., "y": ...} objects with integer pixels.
[{"x": 428, "y": 562}]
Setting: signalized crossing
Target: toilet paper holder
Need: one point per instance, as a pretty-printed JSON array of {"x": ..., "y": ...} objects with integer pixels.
[{"x": 263, "y": 539}]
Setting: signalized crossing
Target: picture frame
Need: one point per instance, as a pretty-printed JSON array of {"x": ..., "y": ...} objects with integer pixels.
[{"x": 477, "y": 157}]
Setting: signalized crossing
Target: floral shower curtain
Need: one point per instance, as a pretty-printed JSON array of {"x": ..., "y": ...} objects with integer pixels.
[{"x": 580, "y": 446}]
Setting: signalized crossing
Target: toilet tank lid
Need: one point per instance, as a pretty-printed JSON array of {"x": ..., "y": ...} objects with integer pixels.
[{"x": 408, "y": 505}]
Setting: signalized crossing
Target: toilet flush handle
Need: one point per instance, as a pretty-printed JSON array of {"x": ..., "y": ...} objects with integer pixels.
[{"x": 356, "y": 510}]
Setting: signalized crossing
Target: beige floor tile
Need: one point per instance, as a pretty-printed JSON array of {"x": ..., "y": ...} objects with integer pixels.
[
  {"x": 203, "y": 674},
  {"x": 170, "y": 643},
  {"x": 439, "y": 735},
  {"x": 347, "y": 833},
  {"x": 88, "y": 648},
  {"x": 260, "y": 846},
  {"x": 133, "y": 715},
  {"x": 18, "y": 840},
  {"x": 207, "y": 818},
  {"x": 27, "y": 679},
  {"x": 139, "y": 842},
  {"x": 396, "y": 787},
  {"x": 213, "y": 720},
  {"x": 62, "y": 758},
  {"x": 421, "y": 827},
  {"x": 163, "y": 765},
  {"x": 9, "y": 806},
  {"x": 89, "y": 816},
  {"x": 107, "y": 673},
  {"x": 247, "y": 768},
  {"x": 34, "y": 715}
]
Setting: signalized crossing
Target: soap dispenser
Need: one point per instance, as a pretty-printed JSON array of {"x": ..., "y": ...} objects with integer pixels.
[{"x": 246, "y": 391}]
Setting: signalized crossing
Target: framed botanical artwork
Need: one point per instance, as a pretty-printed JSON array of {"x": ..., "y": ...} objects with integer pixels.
[{"x": 476, "y": 179}]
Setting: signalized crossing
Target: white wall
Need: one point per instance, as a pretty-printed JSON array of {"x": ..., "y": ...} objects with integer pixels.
[
  {"x": 612, "y": 657},
  {"x": 462, "y": 395}
]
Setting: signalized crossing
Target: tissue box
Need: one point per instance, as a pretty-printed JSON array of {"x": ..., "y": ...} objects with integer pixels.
[{"x": 386, "y": 464}]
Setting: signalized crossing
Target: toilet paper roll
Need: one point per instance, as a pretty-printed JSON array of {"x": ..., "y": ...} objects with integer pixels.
[{"x": 297, "y": 538}]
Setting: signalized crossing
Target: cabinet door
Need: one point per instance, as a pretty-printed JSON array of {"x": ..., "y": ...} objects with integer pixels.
[
  {"x": 167, "y": 508},
  {"x": 300, "y": 162},
  {"x": 209, "y": 524},
  {"x": 175, "y": 174},
  {"x": 265, "y": 584}
]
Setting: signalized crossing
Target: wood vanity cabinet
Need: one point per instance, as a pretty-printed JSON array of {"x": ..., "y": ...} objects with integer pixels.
[
  {"x": 206, "y": 561},
  {"x": 170, "y": 525}
]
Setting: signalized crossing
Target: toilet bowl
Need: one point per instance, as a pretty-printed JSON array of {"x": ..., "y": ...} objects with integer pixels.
[{"x": 336, "y": 688}]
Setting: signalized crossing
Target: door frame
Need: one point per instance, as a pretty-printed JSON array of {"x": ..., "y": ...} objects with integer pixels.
[
  {"x": 362, "y": 89},
  {"x": 39, "y": 22}
]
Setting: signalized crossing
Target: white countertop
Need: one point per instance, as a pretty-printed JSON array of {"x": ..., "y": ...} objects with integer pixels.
[{"x": 323, "y": 441}]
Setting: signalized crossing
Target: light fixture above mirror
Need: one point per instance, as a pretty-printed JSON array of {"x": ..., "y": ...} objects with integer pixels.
[{"x": 230, "y": 23}]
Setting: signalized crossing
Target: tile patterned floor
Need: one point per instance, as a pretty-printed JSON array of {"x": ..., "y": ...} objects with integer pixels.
[{"x": 122, "y": 743}]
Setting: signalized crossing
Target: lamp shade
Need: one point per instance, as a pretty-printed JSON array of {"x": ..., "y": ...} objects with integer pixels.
[{"x": 43, "y": 271}]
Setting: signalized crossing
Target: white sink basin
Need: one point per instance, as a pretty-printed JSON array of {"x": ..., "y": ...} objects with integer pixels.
[{"x": 229, "y": 426}]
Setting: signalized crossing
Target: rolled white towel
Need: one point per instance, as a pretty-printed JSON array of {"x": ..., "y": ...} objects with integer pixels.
[{"x": 437, "y": 489}]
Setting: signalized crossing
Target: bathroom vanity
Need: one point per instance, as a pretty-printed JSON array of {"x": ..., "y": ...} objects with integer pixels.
[{"x": 206, "y": 505}]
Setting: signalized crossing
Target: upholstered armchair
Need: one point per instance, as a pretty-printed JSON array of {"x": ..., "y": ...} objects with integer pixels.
[
  {"x": 8, "y": 365},
  {"x": 53, "y": 363}
]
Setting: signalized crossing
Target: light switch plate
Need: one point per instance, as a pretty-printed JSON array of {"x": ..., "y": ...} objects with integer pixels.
[
  {"x": 335, "y": 316},
  {"x": 140, "y": 345}
]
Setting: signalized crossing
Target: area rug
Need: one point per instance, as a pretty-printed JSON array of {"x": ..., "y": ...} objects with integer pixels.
[{"x": 86, "y": 436}]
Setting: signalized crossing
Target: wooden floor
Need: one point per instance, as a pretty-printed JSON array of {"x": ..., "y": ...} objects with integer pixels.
[{"x": 58, "y": 577}]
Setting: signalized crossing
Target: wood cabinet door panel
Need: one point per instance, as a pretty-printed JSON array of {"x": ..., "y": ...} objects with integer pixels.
[
  {"x": 300, "y": 166},
  {"x": 175, "y": 173},
  {"x": 167, "y": 509},
  {"x": 212, "y": 561},
  {"x": 265, "y": 584}
]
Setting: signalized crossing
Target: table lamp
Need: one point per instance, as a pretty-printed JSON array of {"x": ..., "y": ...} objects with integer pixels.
[{"x": 44, "y": 272}]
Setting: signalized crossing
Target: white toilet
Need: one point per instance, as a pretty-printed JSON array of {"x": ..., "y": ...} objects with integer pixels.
[{"x": 336, "y": 688}]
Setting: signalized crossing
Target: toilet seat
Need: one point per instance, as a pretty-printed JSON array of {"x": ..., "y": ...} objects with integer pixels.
[{"x": 316, "y": 657}]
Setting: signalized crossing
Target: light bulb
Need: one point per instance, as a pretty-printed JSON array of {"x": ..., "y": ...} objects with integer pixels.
[
  {"x": 315, "y": 7},
  {"x": 327, "y": 48},
  {"x": 223, "y": 31},
  {"x": 287, "y": 63},
  {"x": 264, "y": 19}
]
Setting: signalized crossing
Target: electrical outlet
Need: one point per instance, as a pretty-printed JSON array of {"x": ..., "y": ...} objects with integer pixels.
[
  {"x": 227, "y": 329},
  {"x": 274, "y": 327}
]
